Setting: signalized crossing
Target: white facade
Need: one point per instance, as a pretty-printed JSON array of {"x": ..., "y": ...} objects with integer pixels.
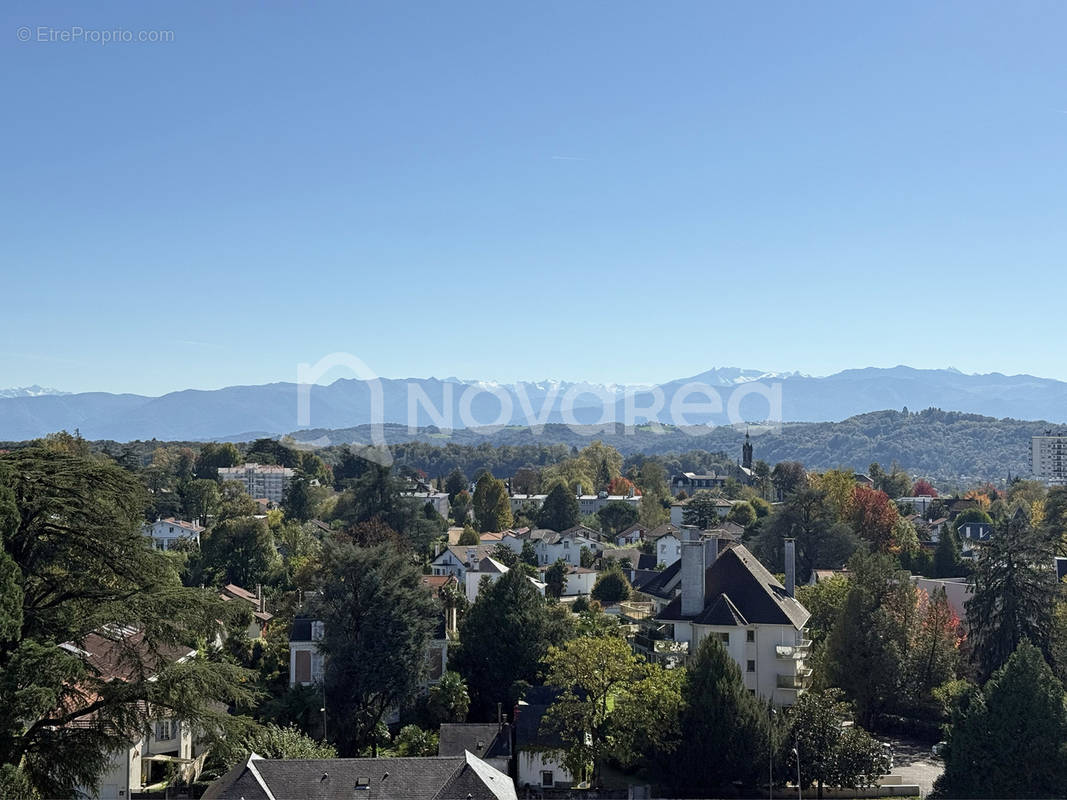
[
  {"x": 166, "y": 533},
  {"x": 592, "y": 503},
  {"x": 541, "y": 770},
  {"x": 131, "y": 769},
  {"x": 260, "y": 480},
  {"x": 439, "y": 501},
  {"x": 305, "y": 660},
  {"x": 668, "y": 549},
  {"x": 1048, "y": 459}
]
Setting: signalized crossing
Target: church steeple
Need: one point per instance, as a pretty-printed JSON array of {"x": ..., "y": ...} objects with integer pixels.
[{"x": 746, "y": 453}]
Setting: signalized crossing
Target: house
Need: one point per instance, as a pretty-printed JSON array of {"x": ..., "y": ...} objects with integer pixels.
[
  {"x": 456, "y": 559},
  {"x": 727, "y": 593},
  {"x": 957, "y": 592},
  {"x": 972, "y": 536},
  {"x": 668, "y": 548},
  {"x": 552, "y": 546},
  {"x": 438, "y": 500},
  {"x": 690, "y": 482},
  {"x": 463, "y": 777},
  {"x": 260, "y": 617},
  {"x": 491, "y": 570},
  {"x": 305, "y": 659},
  {"x": 518, "y": 501},
  {"x": 722, "y": 508},
  {"x": 592, "y": 503},
  {"x": 168, "y": 743},
  {"x": 920, "y": 504},
  {"x": 536, "y": 765},
  {"x": 489, "y": 742},
  {"x": 580, "y": 580},
  {"x": 260, "y": 480},
  {"x": 166, "y": 533},
  {"x": 630, "y": 537},
  {"x": 444, "y": 588}
]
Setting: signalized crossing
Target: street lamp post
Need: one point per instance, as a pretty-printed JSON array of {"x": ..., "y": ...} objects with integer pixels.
[
  {"x": 796, "y": 754},
  {"x": 770, "y": 755},
  {"x": 323, "y": 710}
]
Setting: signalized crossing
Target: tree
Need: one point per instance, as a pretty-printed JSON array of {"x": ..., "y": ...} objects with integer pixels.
[
  {"x": 556, "y": 579},
  {"x": 742, "y": 513},
  {"x": 413, "y": 742},
  {"x": 646, "y": 721},
  {"x": 1018, "y": 718},
  {"x": 726, "y": 735},
  {"x": 947, "y": 560},
  {"x": 1014, "y": 595},
  {"x": 503, "y": 637},
  {"x": 702, "y": 510},
  {"x": 820, "y": 542},
  {"x": 214, "y": 455},
  {"x": 611, "y": 586},
  {"x": 864, "y": 649},
  {"x": 838, "y": 487},
  {"x": 787, "y": 477},
  {"x": 590, "y": 671},
  {"x": 492, "y": 506},
  {"x": 617, "y": 516},
  {"x": 299, "y": 502},
  {"x": 923, "y": 488},
  {"x": 377, "y": 619},
  {"x": 461, "y": 507},
  {"x": 448, "y": 700},
  {"x": 74, "y": 563},
  {"x": 559, "y": 510},
  {"x": 824, "y": 601},
  {"x": 469, "y": 537},
  {"x": 874, "y": 516},
  {"x": 528, "y": 555},
  {"x": 603, "y": 475},
  {"x": 266, "y": 741},
  {"x": 652, "y": 480},
  {"x": 239, "y": 551},
  {"x": 829, "y": 753},
  {"x": 455, "y": 483},
  {"x": 199, "y": 499}
]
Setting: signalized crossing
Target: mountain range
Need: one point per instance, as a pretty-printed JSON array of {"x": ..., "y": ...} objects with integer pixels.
[{"x": 242, "y": 412}]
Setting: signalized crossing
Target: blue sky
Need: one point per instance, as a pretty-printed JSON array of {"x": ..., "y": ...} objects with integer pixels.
[{"x": 611, "y": 191}]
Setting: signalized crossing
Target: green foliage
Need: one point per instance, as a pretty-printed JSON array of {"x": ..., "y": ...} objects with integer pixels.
[
  {"x": 559, "y": 510},
  {"x": 725, "y": 728},
  {"x": 556, "y": 579},
  {"x": 377, "y": 622},
  {"x": 948, "y": 563},
  {"x": 742, "y": 514},
  {"x": 611, "y": 586},
  {"x": 503, "y": 637},
  {"x": 821, "y": 542},
  {"x": 239, "y": 550},
  {"x": 455, "y": 483},
  {"x": 492, "y": 506},
  {"x": 829, "y": 754},
  {"x": 590, "y": 671},
  {"x": 214, "y": 455},
  {"x": 824, "y": 600},
  {"x": 75, "y": 561},
  {"x": 448, "y": 700},
  {"x": 702, "y": 510},
  {"x": 1008, "y": 739},
  {"x": 413, "y": 741},
  {"x": 469, "y": 537},
  {"x": 1014, "y": 595},
  {"x": 617, "y": 516},
  {"x": 268, "y": 741}
]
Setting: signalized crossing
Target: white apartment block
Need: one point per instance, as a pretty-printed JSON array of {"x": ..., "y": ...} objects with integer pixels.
[
  {"x": 1048, "y": 458},
  {"x": 260, "y": 480}
]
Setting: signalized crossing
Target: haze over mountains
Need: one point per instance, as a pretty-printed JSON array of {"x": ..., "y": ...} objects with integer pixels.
[{"x": 241, "y": 411}]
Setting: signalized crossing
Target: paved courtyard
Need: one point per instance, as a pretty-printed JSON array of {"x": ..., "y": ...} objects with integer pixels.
[{"x": 914, "y": 764}]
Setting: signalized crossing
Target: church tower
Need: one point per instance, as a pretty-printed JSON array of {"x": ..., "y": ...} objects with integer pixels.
[{"x": 746, "y": 453}]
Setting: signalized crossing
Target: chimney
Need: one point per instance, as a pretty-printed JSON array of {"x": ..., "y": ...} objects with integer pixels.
[
  {"x": 692, "y": 571},
  {"x": 436, "y": 549},
  {"x": 791, "y": 567},
  {"x": 471, "y": 553},
  {"x": 711, "y": 550},
  {"x": 259, "y": 598}
]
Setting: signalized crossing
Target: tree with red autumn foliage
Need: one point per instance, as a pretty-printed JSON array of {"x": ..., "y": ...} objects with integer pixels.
[
  {"x": 623, "y": 486},
  {"x": 923, "y": 488},
  {"x": 873, "y": 518}
]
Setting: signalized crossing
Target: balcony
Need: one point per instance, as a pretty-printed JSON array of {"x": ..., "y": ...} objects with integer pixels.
[
  {"x": 796, "y": 682},
  {"x": 793, "y": 652}
]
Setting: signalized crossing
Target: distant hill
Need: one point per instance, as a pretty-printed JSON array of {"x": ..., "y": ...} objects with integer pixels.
[
  {"x": 272, "y": 408},
  {"x": 940, "y": 444}
]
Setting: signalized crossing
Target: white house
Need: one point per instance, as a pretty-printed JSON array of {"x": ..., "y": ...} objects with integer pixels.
[
  {"x": 305, "y": 660},
  {"x": 166, "y": 533},
  {"x": 491, "y": 570},
  {"x": 668, "y": 549},
  {"x": 630, "y": 537},
  {"x": 722, "y": 508},
  {"x": 439, "y": 501},
  {"x": 580, "y": 580},
  {"x": 537, "y": 766},
  {"x": 592, "y": 503},
  {"x": 167, "y": 741},
  {"x": 456, "y": 559},
  {"x": 732, "y": 596}
]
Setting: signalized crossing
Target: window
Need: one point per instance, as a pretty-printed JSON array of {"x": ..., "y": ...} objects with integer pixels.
[
  {"x": 751, "y": 666},
  {"x": 546, "y": 778},
  {"x": 303, "y": 666},
  {"x": 750, "y": 636},
  {"x": 724, "y": 638},
  {"x": 164, "y": 730}
]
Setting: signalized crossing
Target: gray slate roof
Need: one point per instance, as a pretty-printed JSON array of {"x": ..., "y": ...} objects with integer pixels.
[
  {"x": 754, "y": 595},
  {"x": 485, "y": 740},
  {"x": 451, "y": 778}
]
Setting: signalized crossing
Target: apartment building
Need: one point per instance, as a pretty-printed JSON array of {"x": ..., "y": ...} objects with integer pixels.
[{"x": 260, "y": 480}]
